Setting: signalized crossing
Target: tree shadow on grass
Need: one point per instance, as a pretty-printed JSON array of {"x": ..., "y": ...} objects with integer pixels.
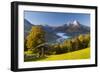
[{"x": 33, "y": 59}]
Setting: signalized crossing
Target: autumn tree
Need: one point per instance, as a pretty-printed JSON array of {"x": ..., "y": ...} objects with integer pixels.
[
  {"x": 36, "y": 37},
  {"x": 84, "y": 40},
  {"x": 68, "y": 45},
  {"x": 87, "y": 40},
  {"x": 25, "y": 47},
  {"x": 76, "y": 45}
]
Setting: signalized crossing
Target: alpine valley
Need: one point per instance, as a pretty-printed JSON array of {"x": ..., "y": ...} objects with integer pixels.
[{"x": 59, "y": 33}]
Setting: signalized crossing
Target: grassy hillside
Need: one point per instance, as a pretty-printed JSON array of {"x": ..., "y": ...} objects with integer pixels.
[{"x": 80, "y": 54}]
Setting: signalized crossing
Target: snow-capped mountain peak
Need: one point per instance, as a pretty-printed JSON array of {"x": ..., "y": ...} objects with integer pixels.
[{"x": 75, "y": 22}]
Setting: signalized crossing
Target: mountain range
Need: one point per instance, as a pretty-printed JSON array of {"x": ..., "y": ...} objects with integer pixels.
[{"x": 71, "y": 29}]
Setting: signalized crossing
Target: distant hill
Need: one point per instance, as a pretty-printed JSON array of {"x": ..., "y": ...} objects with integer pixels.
[
  {"x": 50, "y": 35},
  {"x": 27, "y": 27}
]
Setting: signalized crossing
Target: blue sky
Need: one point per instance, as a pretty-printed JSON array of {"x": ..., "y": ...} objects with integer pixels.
[{"x": 56, "y": 18}]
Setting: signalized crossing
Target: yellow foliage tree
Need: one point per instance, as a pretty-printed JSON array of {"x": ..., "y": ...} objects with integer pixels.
[{"x": 36, "y": 37}]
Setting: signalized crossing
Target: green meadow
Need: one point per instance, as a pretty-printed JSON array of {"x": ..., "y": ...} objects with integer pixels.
[{"x": 80, "y": 54}]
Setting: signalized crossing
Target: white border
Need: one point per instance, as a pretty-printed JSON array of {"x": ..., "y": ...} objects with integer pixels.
[{"x": 22, "y": 64}]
